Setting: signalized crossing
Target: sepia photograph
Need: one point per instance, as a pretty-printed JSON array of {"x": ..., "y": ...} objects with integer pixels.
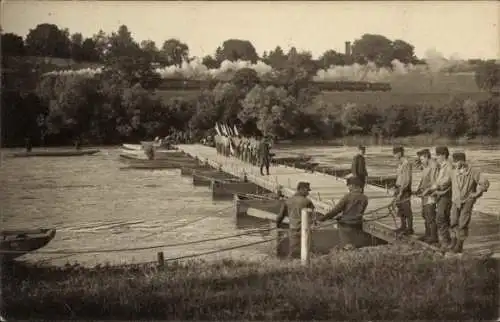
[{"x": 250, "y": 160}]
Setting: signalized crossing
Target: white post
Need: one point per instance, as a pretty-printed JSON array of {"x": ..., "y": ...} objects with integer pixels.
[{"x": 305, "y": 236}]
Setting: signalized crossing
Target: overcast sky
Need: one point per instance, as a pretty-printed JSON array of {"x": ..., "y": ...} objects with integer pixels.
[{"x": 467, "y": 29}]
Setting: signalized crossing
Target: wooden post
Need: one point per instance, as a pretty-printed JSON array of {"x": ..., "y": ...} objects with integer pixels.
[
  {"x": 305, "y": 237},
  {"x": 161, "y": 259}
]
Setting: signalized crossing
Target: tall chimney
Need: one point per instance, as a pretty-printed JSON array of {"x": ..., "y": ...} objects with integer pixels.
[{"x": 348, "y": 48}]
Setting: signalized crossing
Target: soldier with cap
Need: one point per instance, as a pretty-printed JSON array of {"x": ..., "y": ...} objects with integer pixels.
[
  {"x": 264, "y": 155},
  {"x": 441, "y": 190},
  {"x": 349, "y": 212},
  {"x": 467, "y": 185},
  {"x": 429, "y": 175},
  {"x": 292, "y": 208},
  {"x": 402, "y": 193},
  {"x": 358, "y": 168}
]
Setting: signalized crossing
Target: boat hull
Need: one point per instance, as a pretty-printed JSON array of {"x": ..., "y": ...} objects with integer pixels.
[
  {"x": 132, "y": 147},
  {"x": 69, "y": 153},
  {"x": 14, "y": 244}
]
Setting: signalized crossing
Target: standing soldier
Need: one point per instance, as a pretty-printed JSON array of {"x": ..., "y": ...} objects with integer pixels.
[
  {"x": 441, "y": 190},
  {"x": 292, "y": 208},
  {"x": 358, "y": 168},
  {"x": 467, "y": 185},
  {"x": 402, "y": 193},
  {"x": 429, "y": 175},
  {"x": 264, "y": 156},
  {"x": 349, "y": 213}
]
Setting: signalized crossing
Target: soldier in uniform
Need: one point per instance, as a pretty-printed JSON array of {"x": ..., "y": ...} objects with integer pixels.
[
  {"x": 292, "y": 208},
  {"x": 467, "y": 185},
  {"x": 349, "y": 213},
  {"x": 429, "y": 175},
  {"x": 264, "y": 156},
  {"x": 358, "y": 168},
  {"x": 402, "y": 193}
]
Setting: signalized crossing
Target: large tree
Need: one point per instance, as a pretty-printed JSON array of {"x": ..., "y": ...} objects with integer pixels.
[
  {"x": 174, "y": 52},
  {"x": 48, "y": 40},
  {"x": 237, "y": 49},
  {"x": 374, "y": 48},
  {"x": 12, "y": 45}
]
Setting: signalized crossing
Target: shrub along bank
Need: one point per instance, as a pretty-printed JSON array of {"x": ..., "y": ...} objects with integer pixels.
[{"x": 389, "y": 282}]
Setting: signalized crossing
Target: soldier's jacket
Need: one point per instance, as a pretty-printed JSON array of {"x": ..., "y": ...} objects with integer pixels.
[
  {"x": 264, "y": 151},
  {"x": 443, "y": 179},
  {"x": 429, "y": 175},
  {"x": 466, "y": 181},
  {"x": 403, "y": 180},
  {"x": 292, "y": 208},
  {"x": 352, "y": 206}
]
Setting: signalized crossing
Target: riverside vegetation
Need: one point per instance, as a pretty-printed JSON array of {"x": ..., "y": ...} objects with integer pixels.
[
  {"x": 123, "y": 100},
  {"x": 345, "y": 285}
]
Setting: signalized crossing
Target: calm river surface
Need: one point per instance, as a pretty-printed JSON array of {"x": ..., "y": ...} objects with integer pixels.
[{"x": 95, "y": 205}]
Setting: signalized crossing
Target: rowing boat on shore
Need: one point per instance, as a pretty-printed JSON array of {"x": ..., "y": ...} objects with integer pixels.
[
  {"x": 15, "y": 243},
  {"x": 132, "y": 147},
  {"x": 47, "y": 153}
]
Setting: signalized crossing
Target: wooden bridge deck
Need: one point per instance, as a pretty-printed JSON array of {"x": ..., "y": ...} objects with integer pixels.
[{"x": 326, "y": 189}]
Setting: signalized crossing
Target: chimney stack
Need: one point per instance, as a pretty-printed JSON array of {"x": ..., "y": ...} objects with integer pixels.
[{"x": 348, "y": 48}]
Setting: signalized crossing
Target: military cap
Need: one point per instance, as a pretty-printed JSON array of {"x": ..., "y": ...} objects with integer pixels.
[
  {"x": 355, "y": 181},
  {"x": 442, "y": 150},
  {"x": 425, "y": 152},
  {"x": 458, "y": 156},
  {"x": 304, "y": 185},
  {"x": 398, "y": 149}
]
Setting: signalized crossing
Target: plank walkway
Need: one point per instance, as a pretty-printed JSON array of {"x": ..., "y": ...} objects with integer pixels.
[{"x": 326, "y": 190}]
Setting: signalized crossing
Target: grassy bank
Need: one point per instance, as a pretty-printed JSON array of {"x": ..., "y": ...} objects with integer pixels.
[
  {"x": 424, "y": 140},
  {"x": 378, "y": 283}
]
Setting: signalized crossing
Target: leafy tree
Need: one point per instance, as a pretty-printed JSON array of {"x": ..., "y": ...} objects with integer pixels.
[
  {"x": 488, "y": 76},
  {"x": 12, "y": 45},
  {"x": 48, "y": 40},
  {"x": 151, "y": 51},
  {"x": 89, "y": 51},
  {"x": 403, "y": 51},
  {"x": 174, "y": 52},
  {"x": 210, "y": 62},
  {"x": 245, "y": 79},
  {"x": 375, "y": 48},
  {"x": 276, "y": 58},
  {"x": 237, "y": 49},
  {"x": 331, "y": 58}
]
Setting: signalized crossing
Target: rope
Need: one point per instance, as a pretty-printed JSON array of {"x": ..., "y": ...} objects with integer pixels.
[
  {"x": 219, "y": 250},
  {"x": 117, "y": 250}
]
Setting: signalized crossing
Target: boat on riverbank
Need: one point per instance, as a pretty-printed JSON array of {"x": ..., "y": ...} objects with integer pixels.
[
  {"x": 16, "y": 243},
  {"x": 54, "y": 153},
  {"x": 132, "y": 147}
]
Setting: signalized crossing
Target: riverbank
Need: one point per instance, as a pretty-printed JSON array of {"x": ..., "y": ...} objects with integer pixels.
[
  {"x": 389, "y": 282},
  {"x": 419, "y": 140}
]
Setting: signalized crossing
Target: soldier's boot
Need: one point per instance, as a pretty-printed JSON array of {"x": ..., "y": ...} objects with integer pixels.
[
  {"x": 402, "y": 226},
  {"x": 444, "y": 242},
  {"x": 409, "y": 224},
  {"x": 453, "y": 244},
  {"x": 426, "y": 235},
  {"x": 458, "y": 247},
  {"x": 433, "y": 236}
]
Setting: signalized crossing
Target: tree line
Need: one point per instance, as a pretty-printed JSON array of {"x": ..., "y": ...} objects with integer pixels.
[{"x": 122, "y": 103}]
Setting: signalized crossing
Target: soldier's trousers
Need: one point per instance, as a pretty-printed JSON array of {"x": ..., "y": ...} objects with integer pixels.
[
  {"x": 404, "y": 211},
  {"x": 294, "y": 243},
  {"x": 460, "y": 216},
  {"x": 443, "y": 207},
  {"x": 264, "y": 163},
  {"x": 429, "y": 214}
]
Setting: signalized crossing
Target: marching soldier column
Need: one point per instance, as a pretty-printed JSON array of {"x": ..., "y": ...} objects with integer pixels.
[{"x": 255, "y": 151}]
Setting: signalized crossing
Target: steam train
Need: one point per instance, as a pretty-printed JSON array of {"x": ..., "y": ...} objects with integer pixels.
[{"x": 181, "y": 84}]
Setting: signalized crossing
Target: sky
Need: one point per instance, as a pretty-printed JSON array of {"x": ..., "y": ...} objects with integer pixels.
[{"x": 459, "y": 29}]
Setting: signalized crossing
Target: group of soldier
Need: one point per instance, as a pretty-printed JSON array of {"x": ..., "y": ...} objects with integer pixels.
[
  {"x": 448, "y": 190},
  {"x": 253, "y": 150}
]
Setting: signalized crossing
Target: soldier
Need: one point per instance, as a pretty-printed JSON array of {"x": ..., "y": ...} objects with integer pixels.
[
  {"x": 402, "y": 193},
  {"x": 292, "y": 208},
  {"x": 429, "y": 175},
  {"x": 467, "y": 185},
  {"x": 27, "y": 144},
  {"x": 358, "y": 168},
  {"x": 441, "y": 190},
  {"x": 264, "y": 156},
  {"x": 349, "y": 213}
]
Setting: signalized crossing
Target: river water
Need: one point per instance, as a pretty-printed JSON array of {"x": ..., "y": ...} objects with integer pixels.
[{"x": 95, "y": 205}]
